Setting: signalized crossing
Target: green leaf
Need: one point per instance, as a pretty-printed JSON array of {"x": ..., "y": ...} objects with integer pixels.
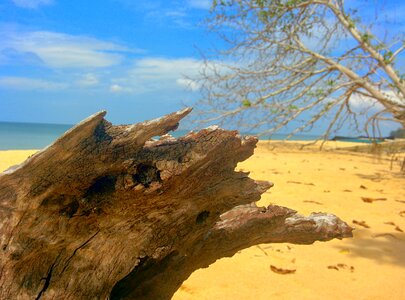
[
  {"x": 387, "y": 56},
  {"x": 263, "y": 16},
  {"x": 366, "y": 37},
  {"x": 246, "y": 103},
  {"x": 260, "y": 3}
]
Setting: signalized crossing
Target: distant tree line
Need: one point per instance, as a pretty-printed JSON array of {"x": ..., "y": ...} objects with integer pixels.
[{"x": 398, "y": 134}]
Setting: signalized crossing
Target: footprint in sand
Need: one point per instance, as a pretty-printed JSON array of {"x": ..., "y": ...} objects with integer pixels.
[
  {"x": 299, "y": 182},
  {"x": 312, "y": 201},
  {"x": 361, "y": 223},
  {"x": 282, "y": 271},
  {"x": 371, "y": 200},
  {"x": 339, "y": 267},
  {"x": 385, "y": 235},
  {"x": 397, "y": 228}
]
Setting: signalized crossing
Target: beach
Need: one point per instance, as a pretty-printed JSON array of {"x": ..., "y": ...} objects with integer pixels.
[
  {"x": 360, "y": 188},
  {"x": 369, "y": 266}
]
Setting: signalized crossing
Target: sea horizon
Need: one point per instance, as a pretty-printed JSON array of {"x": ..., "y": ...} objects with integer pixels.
[{"x": 27, "y": 136}]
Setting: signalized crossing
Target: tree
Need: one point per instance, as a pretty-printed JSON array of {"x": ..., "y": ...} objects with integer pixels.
[
  {"x": 295, "y": 62},
  {"x": 107, "y": 213},
  {"x": 398, "y": 134}
]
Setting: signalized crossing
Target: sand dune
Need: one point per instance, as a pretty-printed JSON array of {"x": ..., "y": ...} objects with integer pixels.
[{"x": 359, "y": 188}]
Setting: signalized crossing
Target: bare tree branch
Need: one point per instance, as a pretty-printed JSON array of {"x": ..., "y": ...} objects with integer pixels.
[{"x": 294, "y": 59}]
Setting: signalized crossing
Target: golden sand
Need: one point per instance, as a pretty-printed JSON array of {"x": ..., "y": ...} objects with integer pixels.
[
  {"x": 9, "y": 158},
  {"x": 369, "y": 266}
]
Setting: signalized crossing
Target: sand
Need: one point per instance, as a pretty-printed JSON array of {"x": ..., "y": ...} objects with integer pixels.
[
  {"x": 369, "y": 266},
  {"x": 9, "y": 158}
]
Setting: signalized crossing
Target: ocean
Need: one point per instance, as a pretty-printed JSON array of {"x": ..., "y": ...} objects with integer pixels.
[
  {"x": 15, "y": 136},
  {"x": 19, "y": 136}
]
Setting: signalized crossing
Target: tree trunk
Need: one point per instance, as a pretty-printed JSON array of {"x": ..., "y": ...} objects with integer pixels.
[{"x": 107, "y": 213}]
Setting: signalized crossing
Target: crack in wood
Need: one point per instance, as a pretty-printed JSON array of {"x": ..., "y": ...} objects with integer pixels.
[
  {"x": 77, "y": 249},
  {"x": 48, "y": 278}
]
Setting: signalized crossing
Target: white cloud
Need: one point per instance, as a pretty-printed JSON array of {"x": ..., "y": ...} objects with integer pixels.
[
  {"x": 32, "y": 3},
  {"x": 165, "y": 68},
  {"x": 24, "y": 83},
  {"x": 175, "y": 13},
  {"x": 188, "y": 83},
  {"x": 361, "y": 102},
  {"x": 159, "y": 13},
  {"x": 61, "y": 50},
  {"x": 88, "y": 80},
  {"x": 393, "y": 97},
  {"x": 157, "y": 74},
  {"x": 116, "y": 88},
  {"x": 202, "y": 4},
  {"x": 14, "y": 57}
]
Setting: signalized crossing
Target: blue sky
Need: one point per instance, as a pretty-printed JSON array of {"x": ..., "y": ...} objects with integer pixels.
[{"x": 62, "y": 60}]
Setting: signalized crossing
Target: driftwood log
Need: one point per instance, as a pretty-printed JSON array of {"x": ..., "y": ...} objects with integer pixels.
[{"x": 108, "y": 213}]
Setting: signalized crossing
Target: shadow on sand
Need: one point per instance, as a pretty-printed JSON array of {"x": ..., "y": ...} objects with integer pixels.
[{"x": 384, "y": 248}]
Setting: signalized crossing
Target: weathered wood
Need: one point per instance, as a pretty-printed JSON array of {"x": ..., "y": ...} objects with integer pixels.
[{"x": 106, "y": 212}]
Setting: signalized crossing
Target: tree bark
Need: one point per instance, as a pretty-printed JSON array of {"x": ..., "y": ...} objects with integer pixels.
[{"x": 107, "y": 213}]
